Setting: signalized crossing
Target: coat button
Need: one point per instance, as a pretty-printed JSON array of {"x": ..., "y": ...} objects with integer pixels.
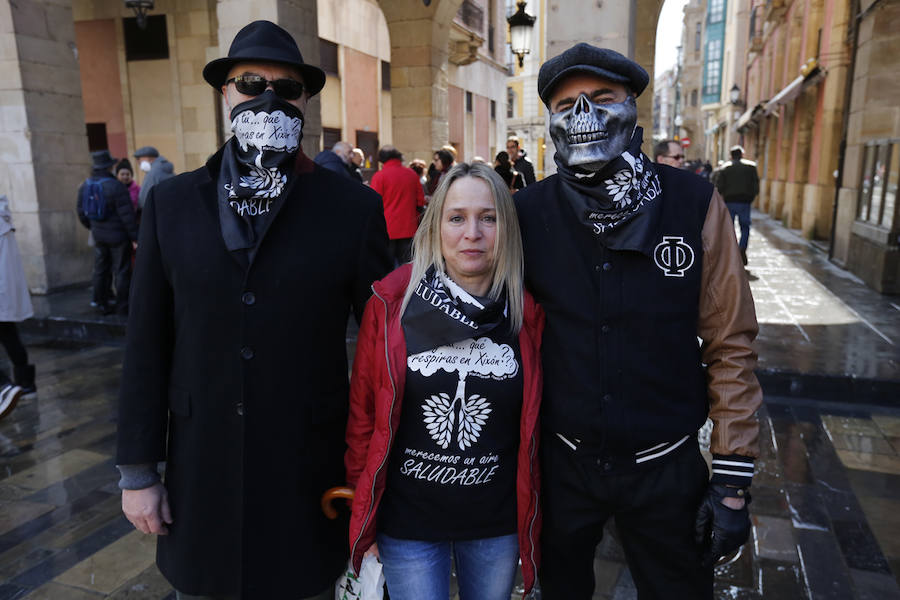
[
  {"x": 607, "y": 266},
  {"x": 246, "y": 352},
  {"x": 239, "y": 409},
  {"x": 607, "y": 397},
  {"x": 604, "y": 328},
  {"x": 248, "y": 298}
]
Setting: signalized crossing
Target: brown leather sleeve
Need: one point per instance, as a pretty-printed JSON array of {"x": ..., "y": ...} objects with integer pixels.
[{"x": 727, "y": 325}]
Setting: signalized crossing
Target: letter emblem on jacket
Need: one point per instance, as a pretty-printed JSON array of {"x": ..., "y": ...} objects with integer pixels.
[{"x": 673, "y": 256}]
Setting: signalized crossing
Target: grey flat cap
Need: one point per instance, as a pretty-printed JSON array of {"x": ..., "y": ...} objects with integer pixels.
[
  {"x": 146, "y": 151},
  {"x": 584, "y": 58}
]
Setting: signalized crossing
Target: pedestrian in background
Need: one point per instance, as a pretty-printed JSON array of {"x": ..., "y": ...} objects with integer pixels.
[
  {"x": 15, "y": 306},
  {"x": 125, "y": 174},
  {"x": 626, "y": 385},
  {"x": 520, "y": 160},
  {"x": 421, "y": 169},
  {"x": 444, "y": 458},
  {"x": 403, "y": 199},
  {"x": 235, "y": 369},
  {"x": 440, "y": 164},
  {"x": 511, "y": 177},
  {"x": 156, "y": 168},
  {"x": 104, "y": 207},
  {"x": 357, "y": 160},
  {"x": 337, "y": 159},
  {"x": 738, "y": 182},
  {"x": 669, "y": 152}
]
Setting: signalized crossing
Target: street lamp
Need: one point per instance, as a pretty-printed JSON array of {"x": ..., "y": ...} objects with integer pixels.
[
  {"x": 140, "y": 8},
  {"x": 735, "y": 95},
  {"x": 521, "y": 25}
]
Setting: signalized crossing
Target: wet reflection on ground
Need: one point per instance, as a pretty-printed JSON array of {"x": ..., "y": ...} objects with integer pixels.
[{"x": 826, "y": 511}]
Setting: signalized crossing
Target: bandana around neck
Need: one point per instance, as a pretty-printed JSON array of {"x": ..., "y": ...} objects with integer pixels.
[
  {"x": 616, "y": 194},
  {"x": 257, "y": 164},
  {"x": 440, "y": 312}
]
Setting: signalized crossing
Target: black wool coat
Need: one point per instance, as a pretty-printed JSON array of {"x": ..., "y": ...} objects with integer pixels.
[{"x": 236, "y": 376}]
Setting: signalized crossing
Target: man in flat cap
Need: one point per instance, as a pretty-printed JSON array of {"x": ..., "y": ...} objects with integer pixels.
[
  {"x": 156, "y": 168},
  {"x": 235, "y": 369},
  {"x": 633, "y": 262}
]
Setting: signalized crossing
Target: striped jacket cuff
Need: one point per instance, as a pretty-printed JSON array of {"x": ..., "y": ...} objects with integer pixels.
[{"x": 732, "y": 469}]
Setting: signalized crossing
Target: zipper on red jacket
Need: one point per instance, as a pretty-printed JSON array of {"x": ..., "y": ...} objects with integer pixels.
[
  {"x": 387, "y": 360},
  {"x": 534, "y": 514}
]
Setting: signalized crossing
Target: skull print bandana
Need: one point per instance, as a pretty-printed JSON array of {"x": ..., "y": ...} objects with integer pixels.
[{"x": 257, "y": 164}]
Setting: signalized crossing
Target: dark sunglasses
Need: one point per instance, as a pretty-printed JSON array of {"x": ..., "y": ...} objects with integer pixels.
[
  {"x": 676, "y": 156},
  {"x": 254, "y": 85}
]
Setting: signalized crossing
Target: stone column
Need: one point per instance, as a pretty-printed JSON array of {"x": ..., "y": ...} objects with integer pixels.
[
  {"x": 628, "y": 27},
  {"x": 43, "y": 145},
  {"x": 299, "y": 17},
  {"x": 419, "y": 51}
]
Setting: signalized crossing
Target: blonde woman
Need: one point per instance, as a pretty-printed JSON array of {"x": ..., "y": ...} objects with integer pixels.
[{"x": 444, "y": 402}]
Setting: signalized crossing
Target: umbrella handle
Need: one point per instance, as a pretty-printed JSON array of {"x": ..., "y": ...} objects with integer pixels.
[{"x": 329, "y": 495}]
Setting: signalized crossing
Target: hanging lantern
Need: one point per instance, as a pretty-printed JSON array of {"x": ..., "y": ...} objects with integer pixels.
[
  {"x": 140, "y": 8},
  {"x": 521, "y": 25}
]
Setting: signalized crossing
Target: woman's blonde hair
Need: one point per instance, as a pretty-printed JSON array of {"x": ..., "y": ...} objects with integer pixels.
[{"x": 507, "y": 273}]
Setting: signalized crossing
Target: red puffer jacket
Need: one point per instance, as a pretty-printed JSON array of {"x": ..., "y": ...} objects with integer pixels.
[{"x": 376, "y": 396}]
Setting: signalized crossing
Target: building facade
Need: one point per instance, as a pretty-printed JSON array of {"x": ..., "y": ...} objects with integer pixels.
[
  {"x": 79, "y": 74},
  {"x": 822, "y": 116},
  {"x": 665, "y": 99},
  {"x": 690, "y": 79}
]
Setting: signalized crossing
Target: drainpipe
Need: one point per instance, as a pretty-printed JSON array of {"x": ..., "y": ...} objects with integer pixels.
[{"x": 856, "y": 15}]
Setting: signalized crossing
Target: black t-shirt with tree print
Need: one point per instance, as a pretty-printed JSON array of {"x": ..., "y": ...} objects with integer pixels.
[{"x": 452, "y": 471}]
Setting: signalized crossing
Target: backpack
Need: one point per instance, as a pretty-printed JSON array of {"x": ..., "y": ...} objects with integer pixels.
[{"x": 93, "y": 202}]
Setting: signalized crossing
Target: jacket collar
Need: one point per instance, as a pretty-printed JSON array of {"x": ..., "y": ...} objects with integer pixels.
[{"x": 392, "y": 288}]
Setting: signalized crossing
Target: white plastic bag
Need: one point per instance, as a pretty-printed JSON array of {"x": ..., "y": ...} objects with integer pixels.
[{"x": 369, "y": 585}]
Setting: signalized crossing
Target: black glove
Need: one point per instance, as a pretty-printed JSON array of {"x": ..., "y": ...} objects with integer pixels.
[{"x": 720, "y": 530}]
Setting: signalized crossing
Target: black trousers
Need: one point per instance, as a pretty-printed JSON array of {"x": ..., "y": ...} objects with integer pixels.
[
  {"x": 654, "y": 507},
  {"x": 18, "y": 356},
  {"x": 109, "y": 260}
]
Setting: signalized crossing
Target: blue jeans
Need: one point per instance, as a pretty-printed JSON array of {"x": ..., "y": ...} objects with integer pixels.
[
  {"x": 742, "y": 210},
  {"x": 417, "y": 570}
]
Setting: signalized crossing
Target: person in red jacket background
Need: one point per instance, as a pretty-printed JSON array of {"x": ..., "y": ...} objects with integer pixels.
[
  {"x": 444, "y": 400},
  {"x": 403, "y": 198}
]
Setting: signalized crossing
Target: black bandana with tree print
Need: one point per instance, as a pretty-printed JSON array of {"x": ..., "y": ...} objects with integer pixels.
[
  {"x": 257, "y": 166},
  {"x": 619, "y": 193},
  {"x": 440, "y": 312}
]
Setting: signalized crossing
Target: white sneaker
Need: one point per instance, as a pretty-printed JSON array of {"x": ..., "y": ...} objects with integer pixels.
[{"x": 9, "y": 396}]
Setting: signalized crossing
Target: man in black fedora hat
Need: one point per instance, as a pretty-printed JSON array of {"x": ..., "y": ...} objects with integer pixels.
[
  {"x": 235, "y": 369},
  {"x": 633, "y": 262},
  {"x": 104, "y": 206}
]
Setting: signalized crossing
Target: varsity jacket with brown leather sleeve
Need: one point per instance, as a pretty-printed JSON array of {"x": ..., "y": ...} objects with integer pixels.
[{"x": 624, "y": 374}]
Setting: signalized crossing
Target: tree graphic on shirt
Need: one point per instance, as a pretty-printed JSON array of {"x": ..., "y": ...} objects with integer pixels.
[{"x": 482, "y": 358}]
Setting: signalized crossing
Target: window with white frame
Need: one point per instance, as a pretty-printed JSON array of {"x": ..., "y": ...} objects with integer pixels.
[
  {"x": 716, "y": 11},
  {"x": 877, "y": 203}
]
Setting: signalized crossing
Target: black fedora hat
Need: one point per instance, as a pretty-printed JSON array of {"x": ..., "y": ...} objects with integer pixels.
[
  {"x": 264, "y": 41},
  {"x": 102, "y": 159}
]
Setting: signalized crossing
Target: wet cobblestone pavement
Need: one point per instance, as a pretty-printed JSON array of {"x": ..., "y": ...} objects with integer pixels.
[{"x": 826, "y": 508}]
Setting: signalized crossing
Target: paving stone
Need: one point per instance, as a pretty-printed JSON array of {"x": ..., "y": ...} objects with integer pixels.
[
  {"x": 859, "y": 546},
  {"x": 874, "y": 586},
  {"x": 823, "y": 566},
  {"x": 774, "y": 538},
  {"x": 780, "y": 580}
]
